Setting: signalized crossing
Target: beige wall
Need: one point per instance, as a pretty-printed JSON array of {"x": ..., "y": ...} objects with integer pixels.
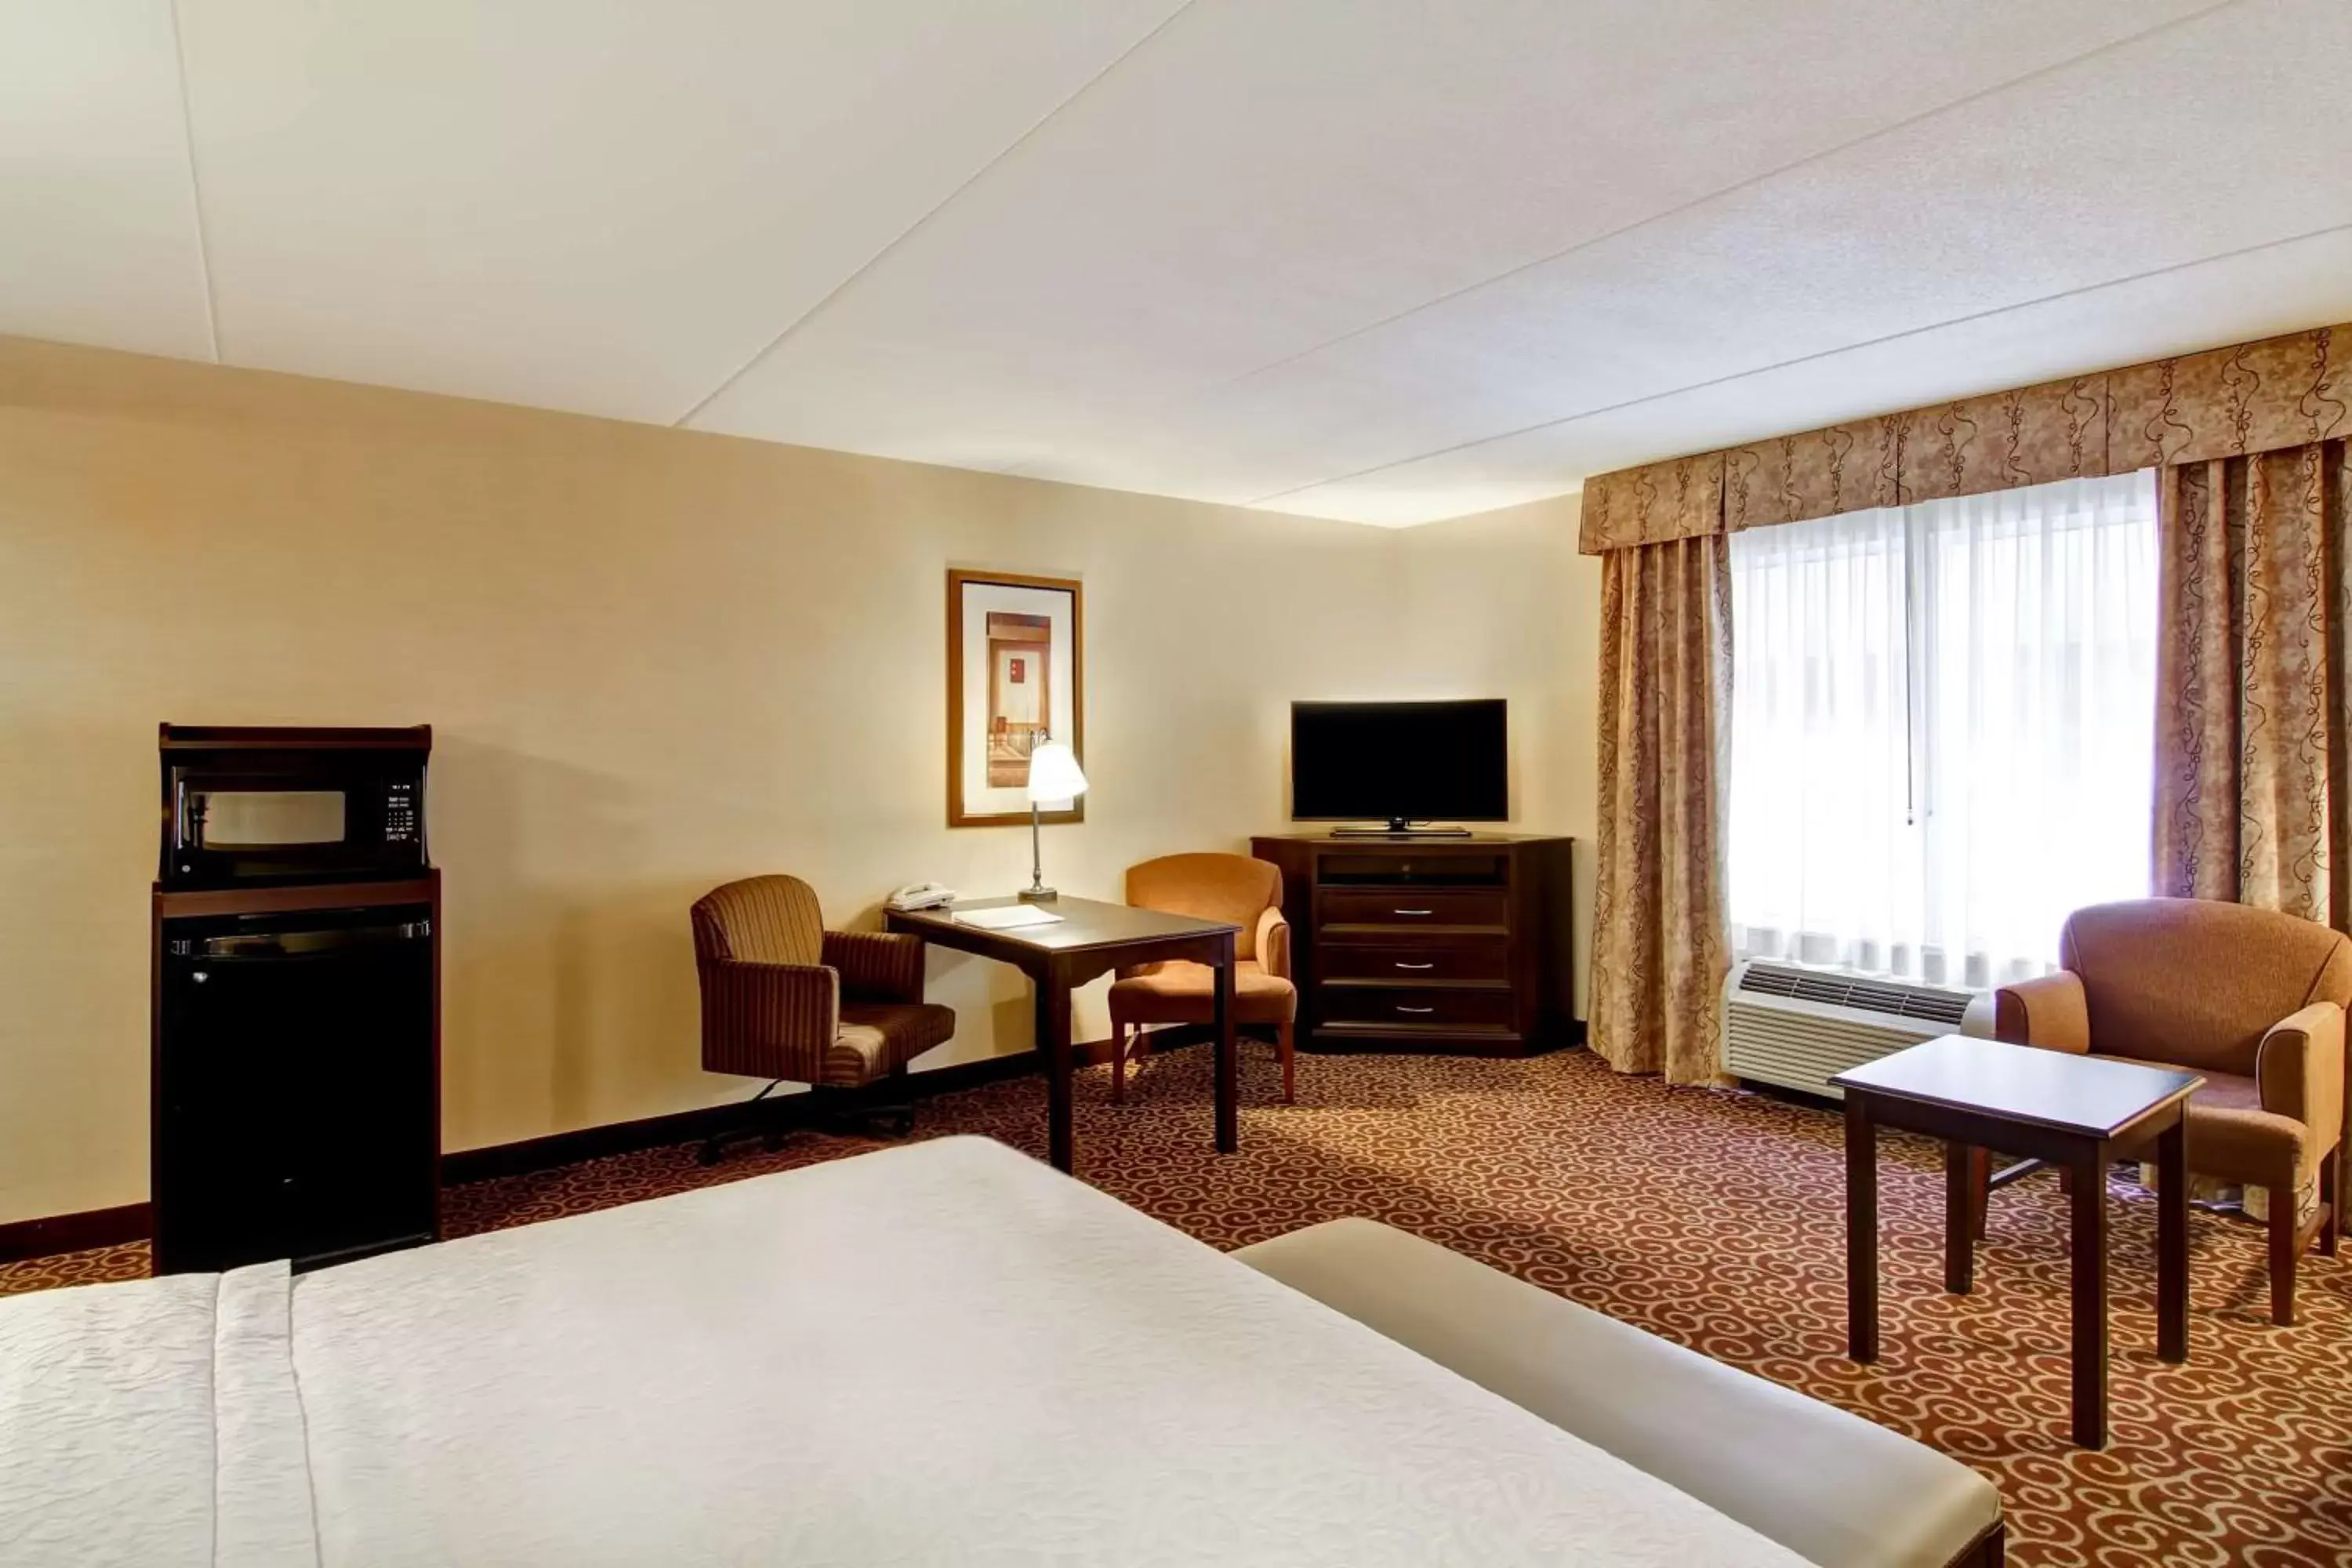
[
  {"x": 1505, "y": 606},
  {"x": 654, "y": 660}
]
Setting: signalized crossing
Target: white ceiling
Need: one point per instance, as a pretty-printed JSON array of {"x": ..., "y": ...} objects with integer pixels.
[{"x": 1376, "y": 260}]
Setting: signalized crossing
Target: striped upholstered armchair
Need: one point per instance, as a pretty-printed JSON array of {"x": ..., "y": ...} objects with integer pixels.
[{"x": 789, "y": 1000}]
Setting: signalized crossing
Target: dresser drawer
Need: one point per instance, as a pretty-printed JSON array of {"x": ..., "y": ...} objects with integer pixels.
[
  {"x": 1402, "y": 867},
  {"x": 1435, "y": 1006},
  {"x": 1463, "y": 958},
  {"x": 1395, "y": 909}
]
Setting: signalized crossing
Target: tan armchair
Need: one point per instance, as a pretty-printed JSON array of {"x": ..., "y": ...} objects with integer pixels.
[
  {"x": 2252, "y": 999},
  {"x": 1232, "y": 887},
  {"x": 789, "y": 1000}
]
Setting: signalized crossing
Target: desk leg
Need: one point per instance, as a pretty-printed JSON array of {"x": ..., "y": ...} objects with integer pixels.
[
  {"x": 1229, "y": 1073},
  {"x": 1861, "y": 1231},
  {"x": 1052, "y": 1008},
  {"x": 2089, "y": 1267},
  {"x": 2172, "y": 1243},
  {"x": 1981, "y": 1190},
  {"x": 1961, "y": 1164}
]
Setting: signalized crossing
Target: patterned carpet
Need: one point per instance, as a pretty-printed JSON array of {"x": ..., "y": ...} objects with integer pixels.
[{"x": 1715, "y": 1219}]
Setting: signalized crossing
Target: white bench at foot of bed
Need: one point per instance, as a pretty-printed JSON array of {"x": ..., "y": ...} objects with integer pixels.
[{"x": 1830, "y": 1486}]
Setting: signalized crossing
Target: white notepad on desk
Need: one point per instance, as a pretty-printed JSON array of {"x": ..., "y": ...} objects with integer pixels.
[{"x": 1010, "y": 918}]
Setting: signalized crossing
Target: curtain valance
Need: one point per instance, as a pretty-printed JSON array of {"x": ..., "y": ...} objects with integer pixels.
[
  {"x": 2294, "y": 391},
  {"x": 1652, "y": 504},
  {"x": 2263, "y": 397}
]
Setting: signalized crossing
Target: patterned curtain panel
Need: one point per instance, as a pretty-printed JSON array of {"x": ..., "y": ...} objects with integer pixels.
[
  {"x": 2251, "y": 683},
  {"x": 1661, "y": 935}
]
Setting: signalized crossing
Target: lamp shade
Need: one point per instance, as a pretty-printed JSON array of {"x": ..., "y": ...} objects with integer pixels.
[{"x": 1054, "y": 774}]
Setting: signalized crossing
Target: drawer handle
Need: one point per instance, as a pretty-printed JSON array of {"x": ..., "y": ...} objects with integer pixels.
[
  {"x": 1402, "y": 965},
  {"x": 1412, "y": 911},
  {"x": 1402, "y": 1009}
]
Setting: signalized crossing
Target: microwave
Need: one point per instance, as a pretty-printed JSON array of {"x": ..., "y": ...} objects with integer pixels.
[{"x": 251, "y": 806}]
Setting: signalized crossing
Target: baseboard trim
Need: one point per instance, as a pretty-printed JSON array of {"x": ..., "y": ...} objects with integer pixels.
[
  {"x": 53, "y": 1234},
  {"x": 530, "y": 1156},
  {"x": 20, "y": 1239},
  {"x": 24, "y": 1238}
]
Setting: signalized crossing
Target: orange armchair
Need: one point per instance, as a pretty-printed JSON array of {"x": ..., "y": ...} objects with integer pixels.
[
  {"x": 2252, "y": 999},
  {"x": 1231, "y": 888}
]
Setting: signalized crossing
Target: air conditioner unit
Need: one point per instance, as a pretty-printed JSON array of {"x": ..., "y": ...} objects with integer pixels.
[{"x": 1788, "y": 1025}]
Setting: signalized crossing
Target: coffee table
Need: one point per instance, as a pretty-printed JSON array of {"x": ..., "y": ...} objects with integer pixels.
[{"x": 2067, "y": 1110}]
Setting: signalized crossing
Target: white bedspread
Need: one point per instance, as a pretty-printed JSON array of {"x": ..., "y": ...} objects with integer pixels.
[
  {"x": 156, "y": 1423},
  {"x": 941, "y": 1354},
  {"x": 106, "y": 1425}
]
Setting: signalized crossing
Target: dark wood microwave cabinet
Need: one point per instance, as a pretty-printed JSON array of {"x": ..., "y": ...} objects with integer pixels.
[{"x": 1437, "y": 945}]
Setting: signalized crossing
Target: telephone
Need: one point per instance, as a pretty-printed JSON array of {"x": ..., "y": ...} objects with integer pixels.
[{"x": 922, "y": 895}]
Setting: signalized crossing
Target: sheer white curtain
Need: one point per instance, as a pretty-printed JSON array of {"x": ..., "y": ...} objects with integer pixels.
[{"x": 1942, "y": 728}]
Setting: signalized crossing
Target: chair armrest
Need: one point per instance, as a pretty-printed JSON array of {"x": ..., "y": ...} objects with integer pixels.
[
  {"x": 778, "y": 1018},
  {"x": 2300, "y": 1070},
  {"x": 1274, "y": 942},
  {"x": 876, "y": 966},
  {"x": 2048, "y": 1011}
]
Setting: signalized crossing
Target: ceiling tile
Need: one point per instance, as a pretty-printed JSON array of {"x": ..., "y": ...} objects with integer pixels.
[
  {"x": 2060, "y": 182},
  {"x": 2279, "y": 288},
  {"x": 98, "y": 217},
  {"x": 1265, "y": 178},
  {"x": 592, "y": 204}
]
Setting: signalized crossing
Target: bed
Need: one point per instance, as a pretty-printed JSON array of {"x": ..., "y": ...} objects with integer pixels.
[{"x": 945, "y": 1352}]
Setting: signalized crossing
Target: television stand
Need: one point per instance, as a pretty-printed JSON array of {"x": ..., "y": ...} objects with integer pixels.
[
  {"x": 1450, "y": 944},
  {"x": 1399, "y": 827}
]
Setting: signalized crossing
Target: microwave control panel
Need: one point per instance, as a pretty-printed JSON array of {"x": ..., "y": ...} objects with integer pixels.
[{"x": 400, "y": 812}]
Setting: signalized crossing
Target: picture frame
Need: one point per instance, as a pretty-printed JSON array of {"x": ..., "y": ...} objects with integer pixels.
[{"x": 1017, "y": 674}]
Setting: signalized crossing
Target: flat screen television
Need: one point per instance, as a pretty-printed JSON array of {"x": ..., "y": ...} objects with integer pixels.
[{"x": 1400, "y": 763}]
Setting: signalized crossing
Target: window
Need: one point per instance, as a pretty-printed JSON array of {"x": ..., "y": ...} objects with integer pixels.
[{"x": 1942, "y": 728}]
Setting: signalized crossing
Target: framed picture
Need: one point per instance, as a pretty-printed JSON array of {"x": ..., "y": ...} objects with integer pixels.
[{"x": 1016, "y": 676}]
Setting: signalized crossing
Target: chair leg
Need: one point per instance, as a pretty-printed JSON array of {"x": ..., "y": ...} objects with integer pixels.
[
  {"x": 739, "y": 1129},
  {"x": 2343, "y": 1188},
  {"x": 863, "y": 1112},
  {"x": 1118, "y": 1063},
  {"x": 2331, "y": 1220},
  {"x": 2285, "y": 1239},
  {"x": 1290, "y": 1065}
]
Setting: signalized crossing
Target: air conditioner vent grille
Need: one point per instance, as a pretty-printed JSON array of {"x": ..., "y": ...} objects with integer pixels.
[{"x": 1928, "y": 1003}]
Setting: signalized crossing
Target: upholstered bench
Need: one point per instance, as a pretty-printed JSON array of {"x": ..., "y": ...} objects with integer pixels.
[{"x": 1830, "y": 1486}]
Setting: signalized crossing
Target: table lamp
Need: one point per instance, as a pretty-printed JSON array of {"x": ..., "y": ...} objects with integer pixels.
[{"x": 1054, "y": 774}]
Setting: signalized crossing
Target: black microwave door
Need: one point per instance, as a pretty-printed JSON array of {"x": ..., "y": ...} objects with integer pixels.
[{"x": 230, "y": 828}]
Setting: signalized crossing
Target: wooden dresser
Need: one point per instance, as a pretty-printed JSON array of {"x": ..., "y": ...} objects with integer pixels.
[{"x": 1439, "y": 944}]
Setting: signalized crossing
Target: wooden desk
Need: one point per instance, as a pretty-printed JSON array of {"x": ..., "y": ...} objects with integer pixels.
[
  {"x": 1093, "y": 938},
  {"x": 2069, "y": 1111}
]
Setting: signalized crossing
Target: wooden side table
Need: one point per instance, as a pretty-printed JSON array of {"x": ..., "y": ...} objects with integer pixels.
[{"x": 2067, "y": 1110}]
